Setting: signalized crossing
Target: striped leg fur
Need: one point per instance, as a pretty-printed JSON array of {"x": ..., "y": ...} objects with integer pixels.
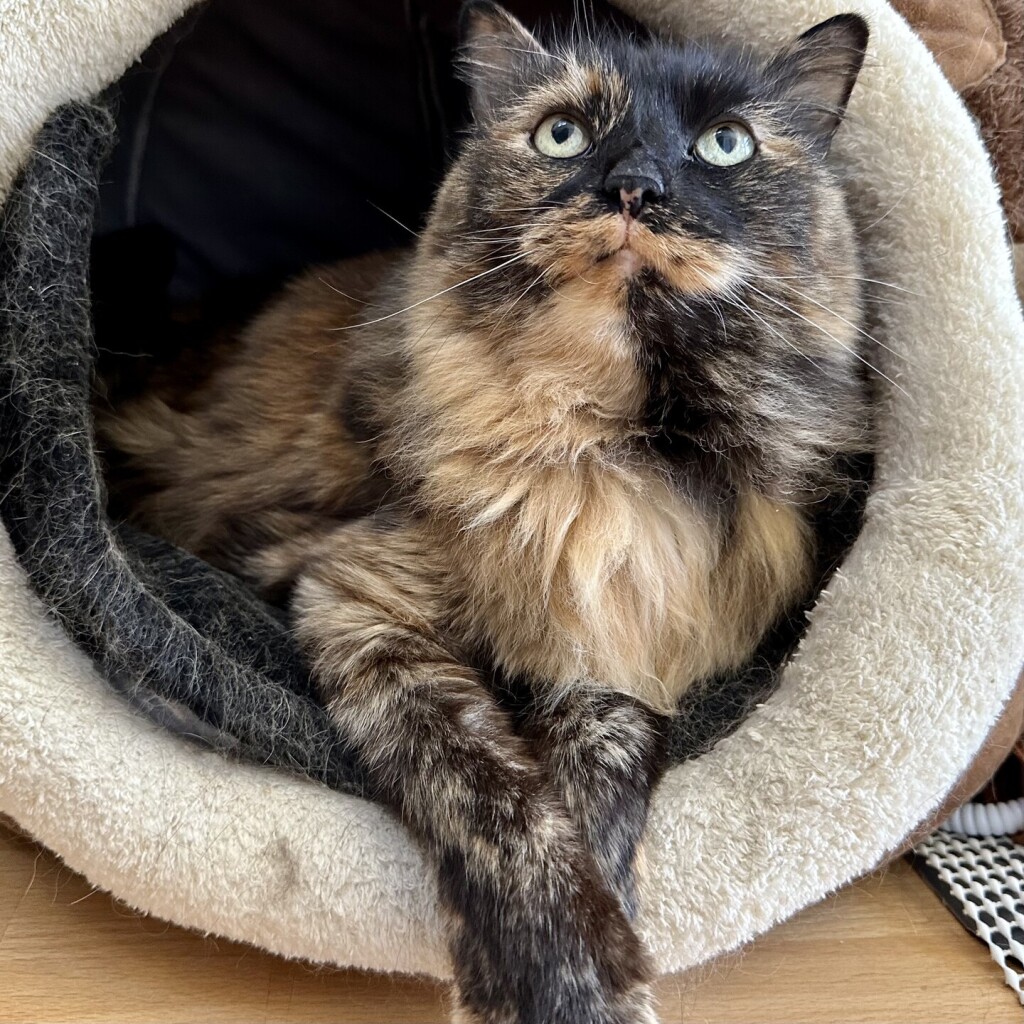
[
  {"x": 604, "y": 752},
  {"x": 536, "y": 936}
]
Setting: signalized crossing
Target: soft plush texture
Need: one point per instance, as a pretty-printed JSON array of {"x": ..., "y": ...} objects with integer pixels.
[
  {"x": 912, "y": 651},
  {"x": 979, "y": 44}
]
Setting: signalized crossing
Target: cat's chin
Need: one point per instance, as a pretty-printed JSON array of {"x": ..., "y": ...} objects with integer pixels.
[{"x": 626, "y": 262}]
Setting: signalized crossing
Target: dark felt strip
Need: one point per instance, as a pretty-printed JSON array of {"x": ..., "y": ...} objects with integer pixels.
[{"x": 149, "y": 615}]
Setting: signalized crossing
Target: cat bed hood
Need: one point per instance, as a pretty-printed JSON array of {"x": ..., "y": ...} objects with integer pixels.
[{"x": 911, "y": 657}]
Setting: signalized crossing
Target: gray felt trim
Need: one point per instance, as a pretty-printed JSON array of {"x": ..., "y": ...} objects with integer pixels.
[{"x": 150, "y": 616}]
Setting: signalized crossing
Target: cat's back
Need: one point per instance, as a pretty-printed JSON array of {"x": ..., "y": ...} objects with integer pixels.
[{"x": 263, "y": 445}]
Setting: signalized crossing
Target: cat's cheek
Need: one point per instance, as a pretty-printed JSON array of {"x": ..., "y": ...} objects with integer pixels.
[{"x": 695, "y": 267}]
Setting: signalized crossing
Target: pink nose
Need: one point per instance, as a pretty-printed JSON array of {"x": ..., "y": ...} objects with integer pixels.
[{"x": 632, "y": 201}]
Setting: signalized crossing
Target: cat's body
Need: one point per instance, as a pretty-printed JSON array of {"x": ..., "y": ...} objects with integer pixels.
[
  {"x": 573, "y": 441},
  {"x": 574, "y": 550}
]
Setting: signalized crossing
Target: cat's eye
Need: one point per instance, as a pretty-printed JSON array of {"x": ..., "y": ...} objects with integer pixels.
[
  {"x": 561, "y": 136},
  {"x": 725, "y": 145}
]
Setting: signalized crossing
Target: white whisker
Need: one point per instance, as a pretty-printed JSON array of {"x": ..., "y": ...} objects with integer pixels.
[
  {"x": 853, "y": 352},
  {"x": 883, "y": 284},
  {"x": 429, "y": 298},
  {"x": 344, "y": 295},
  {"x": 415, "y": 234},
  {"x": 840, "y": 277},
  {"x": 518, "y": 299},
  {"x": 871, "y": 338},
  {"x": 832, "y": 312},
  {"x": 740, "y": 304}
]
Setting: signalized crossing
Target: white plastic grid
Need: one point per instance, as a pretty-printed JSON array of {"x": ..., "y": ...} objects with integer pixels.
[{"x": 985, "y": 874}]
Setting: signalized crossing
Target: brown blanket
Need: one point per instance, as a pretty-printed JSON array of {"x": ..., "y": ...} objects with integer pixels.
[{"x": 979, "y": 44}]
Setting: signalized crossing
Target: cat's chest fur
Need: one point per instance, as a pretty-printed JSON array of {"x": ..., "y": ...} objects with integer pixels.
[
  {"x": 617, "y": 578},
  {"x": 575, "y": 554}
]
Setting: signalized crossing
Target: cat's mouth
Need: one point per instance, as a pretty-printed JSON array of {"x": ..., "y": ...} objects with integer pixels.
[
  {"x": 613, "y": 251},
  {"x": 687, "y": 264},
  {"x": 627, "y": 241}
]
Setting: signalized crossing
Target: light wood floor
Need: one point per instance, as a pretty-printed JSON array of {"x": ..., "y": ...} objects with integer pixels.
[{"x": 883, "y": 950}]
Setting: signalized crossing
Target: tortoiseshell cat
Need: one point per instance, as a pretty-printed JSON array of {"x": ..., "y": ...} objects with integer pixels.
[{"x": 568, "y": 446}]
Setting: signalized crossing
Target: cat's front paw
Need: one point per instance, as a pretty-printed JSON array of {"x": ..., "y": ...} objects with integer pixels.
[
  {"x": 595, "y": 975},
  {"x": 637, "y": 1007}
]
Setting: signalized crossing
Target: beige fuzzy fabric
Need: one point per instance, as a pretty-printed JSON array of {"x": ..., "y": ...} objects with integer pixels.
[{"x": 910, "y": 657}]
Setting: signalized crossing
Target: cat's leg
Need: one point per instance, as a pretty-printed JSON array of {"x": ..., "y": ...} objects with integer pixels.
[
  {"x": 605, "y": 751},
  {"x": 535, "y": 935}
]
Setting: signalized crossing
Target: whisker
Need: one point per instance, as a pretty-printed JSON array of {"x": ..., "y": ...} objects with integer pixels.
[
  {"x": 840, "y": 277},
  {"x": 518, "y": 299},
  {"x": 391, "y": 217},
  {"x": 344, "y": 295},
  {"x": 735, "y": 300},
  {"x": 489, "y": 244},
  {"x": 502, "y": 227},
  {"x": 444, "y": 291},
  {"x": 492, "y": 250},
  {"x": 514, "y": 209},
  {"x": 871, "y": 338},
  {"x": 444, "y": 340},
  {"x": 853, "y": 352},
  {"x": 883, "y": 284},
  {"x": 859, "y": 330}
]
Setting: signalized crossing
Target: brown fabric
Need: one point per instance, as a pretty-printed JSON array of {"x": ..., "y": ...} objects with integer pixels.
[
  {"x": 964, "y": 36},
  {"x": 1000, "y": 742},
  {"x": 998, "y": 104},
  {"x": 979, "y": 44}
]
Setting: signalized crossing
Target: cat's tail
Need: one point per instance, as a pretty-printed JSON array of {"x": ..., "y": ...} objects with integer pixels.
[
  {"x": 153, "y": 456},
  {"x": 145, "y": 429}
]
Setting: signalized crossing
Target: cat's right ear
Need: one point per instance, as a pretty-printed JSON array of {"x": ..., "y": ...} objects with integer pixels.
[
  {"x": 816, "y": 74},
  {"x": 497, "y": 49}
]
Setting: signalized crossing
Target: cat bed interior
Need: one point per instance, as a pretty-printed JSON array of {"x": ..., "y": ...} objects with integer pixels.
[{"x": 911, "y": 656}]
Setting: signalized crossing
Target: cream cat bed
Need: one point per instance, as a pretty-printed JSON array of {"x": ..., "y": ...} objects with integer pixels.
[{"x": 912, "y": 653}]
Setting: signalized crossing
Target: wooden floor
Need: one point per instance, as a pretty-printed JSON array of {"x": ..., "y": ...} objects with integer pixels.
[{"x": 883, "y": 950}]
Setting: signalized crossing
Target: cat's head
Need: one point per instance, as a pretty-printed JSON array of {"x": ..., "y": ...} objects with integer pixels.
[{"x": 658, "y": 195}]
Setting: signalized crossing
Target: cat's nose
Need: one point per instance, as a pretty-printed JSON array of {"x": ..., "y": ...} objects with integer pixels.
[{"x": 634, "y": 183}]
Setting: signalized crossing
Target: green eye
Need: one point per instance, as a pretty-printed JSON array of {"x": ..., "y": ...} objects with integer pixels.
[
  {"x": 561, "y": 136},
  {"x": 725, "y": 145}
]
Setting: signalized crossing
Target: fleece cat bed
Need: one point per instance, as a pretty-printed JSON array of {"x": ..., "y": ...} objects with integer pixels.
[{"x": 911, "y": 657}]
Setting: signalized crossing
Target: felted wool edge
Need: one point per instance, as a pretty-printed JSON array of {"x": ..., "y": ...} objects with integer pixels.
[{"x": 911, "y": 653}]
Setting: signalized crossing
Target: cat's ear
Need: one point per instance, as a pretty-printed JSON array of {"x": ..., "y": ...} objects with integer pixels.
[
  {"x": 496, "y": 51},
  {"x": 816, "y": 74}
]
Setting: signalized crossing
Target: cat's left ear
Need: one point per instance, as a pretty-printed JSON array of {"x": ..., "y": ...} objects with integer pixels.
[
  {"x": 497, "y": 50},
  {"x": 816, "y": 74}
]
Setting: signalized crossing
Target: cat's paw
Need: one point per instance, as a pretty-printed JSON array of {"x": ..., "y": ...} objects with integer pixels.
[{"x": 635, "y": 1006}]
